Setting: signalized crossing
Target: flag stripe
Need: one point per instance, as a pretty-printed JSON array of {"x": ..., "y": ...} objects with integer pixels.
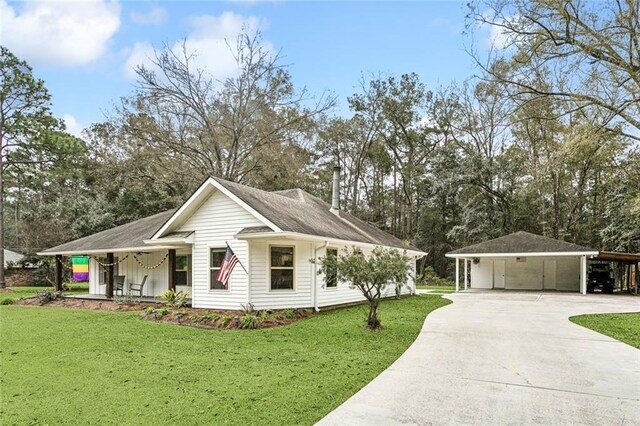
[{"x": 226, "y": 266}]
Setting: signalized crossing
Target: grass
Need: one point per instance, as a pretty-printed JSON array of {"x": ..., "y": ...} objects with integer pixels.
[
  {"x": 438, "y": 288},
  {"x": 63, "y": 366},
  {"x": 623, "y": 327},
  {"x": 21, "y": 292}
]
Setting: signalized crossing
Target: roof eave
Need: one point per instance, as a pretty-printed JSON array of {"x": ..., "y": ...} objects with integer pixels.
[
  {"x": 110, "y": 250},
  {"x": 318, "y": 238},
  {"x": 525, "y": 254}
]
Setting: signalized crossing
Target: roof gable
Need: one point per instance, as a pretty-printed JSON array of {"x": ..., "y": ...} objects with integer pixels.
[
  {"x": 522, "y": 242},
  {"x": 197, "y": 199}
]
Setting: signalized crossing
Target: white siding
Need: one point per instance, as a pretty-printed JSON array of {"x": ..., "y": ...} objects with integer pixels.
[
  {"x": 157, "y": 279},
  {"x": 344, "y": 293},
  {"x": 215, "y": 223},
  {"x": 262, "y": 296},
  {"x": 528, "y": 275}
]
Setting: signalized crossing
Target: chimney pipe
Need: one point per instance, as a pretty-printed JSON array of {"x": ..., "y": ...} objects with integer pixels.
[{"x": 335, "y": 196}]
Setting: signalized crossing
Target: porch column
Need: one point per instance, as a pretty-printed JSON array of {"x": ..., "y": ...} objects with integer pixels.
[
  {"x": 466, "y": 276},
  {"x": 58, "y": 272},
  {"x": 109, "y": 289},
  {"x": 171, "y": 267},
  {"x": 457, "y": 274},
  {"x": 583, "y": 274}
]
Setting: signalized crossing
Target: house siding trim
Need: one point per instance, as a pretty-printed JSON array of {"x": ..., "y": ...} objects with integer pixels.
[{"x": 198, "y": 193}]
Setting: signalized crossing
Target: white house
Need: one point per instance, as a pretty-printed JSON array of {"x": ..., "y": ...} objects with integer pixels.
[
  {"x": 273, "y": 234},
  {"x": 524, "y": 261}
]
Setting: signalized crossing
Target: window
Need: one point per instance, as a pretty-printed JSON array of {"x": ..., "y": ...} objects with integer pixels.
[
  {"x": 182, "y": 273},
  {"x": 102, "y": 270},
  {"x": 216, "y": 256},
  {"x": 281, "y": 268},
  {"x": 331, "y": 278}
]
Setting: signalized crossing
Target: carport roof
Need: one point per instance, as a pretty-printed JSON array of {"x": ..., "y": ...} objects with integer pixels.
[{"x": 523, "y": 243}]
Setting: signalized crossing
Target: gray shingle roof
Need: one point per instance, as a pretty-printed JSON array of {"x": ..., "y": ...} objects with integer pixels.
[
  {"x": 295, "y": 210},
  {"x": 522, "y": 242},
  {"x": 292, "y": 210},
  {"x": 130, "y": 234}
]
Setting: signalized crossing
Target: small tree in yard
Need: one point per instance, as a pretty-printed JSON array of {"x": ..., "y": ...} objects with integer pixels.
[{"x": 370, "y": 274}]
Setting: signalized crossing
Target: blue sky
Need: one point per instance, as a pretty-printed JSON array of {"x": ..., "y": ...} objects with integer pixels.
[{"x": 85, "y": 50}]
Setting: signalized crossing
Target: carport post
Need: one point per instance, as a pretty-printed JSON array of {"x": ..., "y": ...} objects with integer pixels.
[
  {"x": 466, "y": 279},
  {"x": 457, "y": 274},
  {"x": 583, "y": 274}
]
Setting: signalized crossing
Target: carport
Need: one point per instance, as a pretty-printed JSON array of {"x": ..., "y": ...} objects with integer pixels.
[
  {"x": 625, "y": 267},
  {"x": 523, "y": 261}
]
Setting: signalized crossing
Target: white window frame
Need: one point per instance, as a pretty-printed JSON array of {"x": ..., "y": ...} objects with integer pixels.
[
  {"x": 335, "y": 287},
  {"x": 288, "y": 268},
  {"x": 189, "y": 269},
  {"x": 211, "y": 268}
]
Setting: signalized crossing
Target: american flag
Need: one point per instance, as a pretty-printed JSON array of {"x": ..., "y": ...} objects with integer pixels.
[{"x": 226, "y": 267}]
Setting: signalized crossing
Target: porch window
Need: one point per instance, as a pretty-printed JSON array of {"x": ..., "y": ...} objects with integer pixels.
[
  {"x": 281, "y": 268},
  {"x": 331, "y": 277},
  {"x": 182, "y": 273},
  {"x": 216, "y": 256},
  {"x": 102, "y": 270}
]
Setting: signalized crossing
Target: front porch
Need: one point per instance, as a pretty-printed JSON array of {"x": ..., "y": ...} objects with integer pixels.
[{"x": 143, "y": 275}]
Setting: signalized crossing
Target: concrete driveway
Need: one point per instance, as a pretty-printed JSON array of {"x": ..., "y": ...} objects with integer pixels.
[{"x": 507, "y": 358}]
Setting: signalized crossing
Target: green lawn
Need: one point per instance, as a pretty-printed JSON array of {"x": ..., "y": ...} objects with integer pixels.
[
  {"x": 438, "y": 288},
  {"x": 21, "y": 292},
  {"x": 623, "y": 327},
  {"x": 64, "y": 366}
]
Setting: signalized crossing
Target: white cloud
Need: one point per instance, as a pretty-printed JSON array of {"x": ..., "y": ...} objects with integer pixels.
[
  {"x": 498, "y": 37},
  {"x": 212, "y": 41},
  {"x": 156, "y": 16},
  {"x": 139, "y": 54},
  {"x": 59, "y": 33},
  {"x": 72, "y": 125}
]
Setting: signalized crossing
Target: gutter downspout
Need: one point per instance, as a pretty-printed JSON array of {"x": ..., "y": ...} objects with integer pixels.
[{"x": 314, "y": 296}]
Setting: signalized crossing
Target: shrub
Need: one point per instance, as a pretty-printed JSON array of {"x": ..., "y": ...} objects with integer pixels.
[
  {"x": 249, "y": 321},
  {"x": 180, "y": 314},
  {"x": 149, "y": 310},
  {"x": 248, "y": 308},
  {"x": 174, "y": 299},
  {"x": 46, "y": 296},
  {"x": 210, "y": 316},
  {"x": 7, "y": 302},
  {"x": 288, "y": 313},
  {"x": 223, "y": 320},
  {"x": 162, "y": 311}
]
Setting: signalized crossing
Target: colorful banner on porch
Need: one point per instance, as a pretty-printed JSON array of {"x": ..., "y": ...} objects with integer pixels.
[{"x": 80, "y": 268}]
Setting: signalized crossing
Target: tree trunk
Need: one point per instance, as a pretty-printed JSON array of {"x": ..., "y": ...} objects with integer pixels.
[
  {"x": 2, "y": 282},
  {"x": 372, "y": 318}
]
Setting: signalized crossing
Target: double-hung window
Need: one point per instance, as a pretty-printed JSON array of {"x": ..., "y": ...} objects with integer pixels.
[
  {"x": 216, "y": 256},
  {"x": 182, "y": 272},
  {"x": 281, "y": 267}
]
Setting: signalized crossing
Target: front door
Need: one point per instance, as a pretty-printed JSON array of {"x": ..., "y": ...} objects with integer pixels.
[
  {"x": 549, "y": 275},
  {"x": 498, "y": 273}
]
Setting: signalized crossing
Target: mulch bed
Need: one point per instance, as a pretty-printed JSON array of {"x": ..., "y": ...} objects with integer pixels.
[
  {"x": 217, "y": 319},
  {"x": 95, "y": 305},
  {"x": 193, "y": 317}
]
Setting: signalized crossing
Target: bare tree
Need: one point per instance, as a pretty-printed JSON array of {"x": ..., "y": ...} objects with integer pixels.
[
  {"x": 182, "y": 116},
  {"x": 589, "y": 51}
]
